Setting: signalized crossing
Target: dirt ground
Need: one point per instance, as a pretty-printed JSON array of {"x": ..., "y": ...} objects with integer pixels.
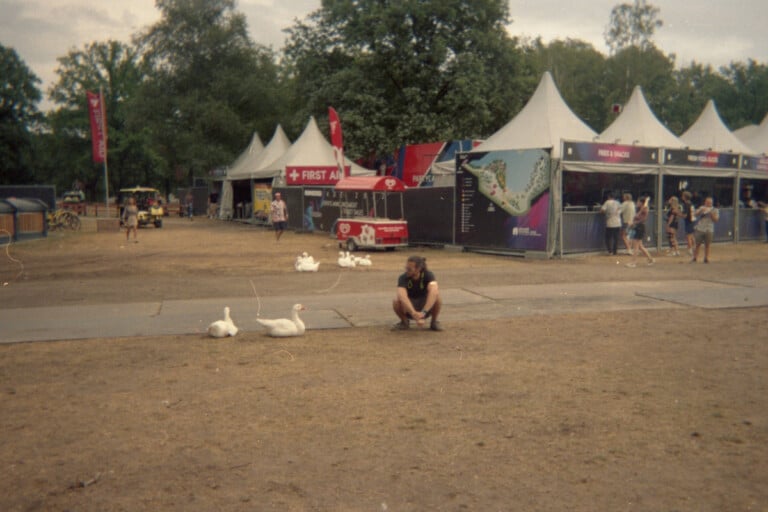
[{"x": 663, "y": 410}]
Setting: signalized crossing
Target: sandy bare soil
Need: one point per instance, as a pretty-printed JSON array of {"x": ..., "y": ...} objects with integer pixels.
[{"x": 641, "y": 410}]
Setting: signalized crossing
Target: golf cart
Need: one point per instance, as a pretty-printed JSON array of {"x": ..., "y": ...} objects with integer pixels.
[{"x": 149, "y": 202}]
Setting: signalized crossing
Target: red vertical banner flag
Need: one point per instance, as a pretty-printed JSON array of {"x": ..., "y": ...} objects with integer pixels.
[
  {"x": 98, "y": 126},
  {"x": 337, "y": 140}
]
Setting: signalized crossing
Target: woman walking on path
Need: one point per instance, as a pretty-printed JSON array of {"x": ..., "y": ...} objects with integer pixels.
[{"x": 637, "y": 232}]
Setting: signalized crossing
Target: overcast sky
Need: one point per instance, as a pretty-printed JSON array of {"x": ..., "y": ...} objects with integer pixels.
[{"x": 708, "y": 31}]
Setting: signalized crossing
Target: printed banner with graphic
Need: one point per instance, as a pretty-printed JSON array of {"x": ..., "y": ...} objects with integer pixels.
[
  {"x": 502, "y": 199},
  {"x": 98, "y": 126},
  {"x": 336, "y": 139},
  {"x": 262, "y": 200}
]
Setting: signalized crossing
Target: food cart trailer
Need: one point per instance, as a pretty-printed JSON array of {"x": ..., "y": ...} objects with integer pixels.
[{"x": 372, "y": 231}]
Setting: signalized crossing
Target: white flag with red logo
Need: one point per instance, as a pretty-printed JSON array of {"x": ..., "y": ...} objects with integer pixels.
[
  {"x": 98, "y": 126},
  {"x": 337, "y": 140}
]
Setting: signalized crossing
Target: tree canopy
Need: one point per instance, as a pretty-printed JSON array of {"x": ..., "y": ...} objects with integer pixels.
[
  {"x": 19, "y": 96},
  {"x": 187, "y": 93}
]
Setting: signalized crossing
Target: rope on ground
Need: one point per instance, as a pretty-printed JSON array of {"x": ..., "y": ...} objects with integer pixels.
[
  {"x": 8, "y": 253},
  {"x": 258, "y": 310}
]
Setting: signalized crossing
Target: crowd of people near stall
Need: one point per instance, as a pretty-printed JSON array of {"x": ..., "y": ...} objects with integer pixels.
[{"x": 696, "y": 214}]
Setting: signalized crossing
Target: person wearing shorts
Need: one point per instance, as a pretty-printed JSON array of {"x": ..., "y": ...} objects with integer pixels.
[
  {"x": 417, "y": 296},
  {"x": 705, "y": 228},
  {"x": 279, "y": 215},
  {"x": 627, "y": 214},
  {"x": 637, "y": 232}
]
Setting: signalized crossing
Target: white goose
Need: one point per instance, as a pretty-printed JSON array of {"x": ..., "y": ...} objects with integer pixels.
[
  {"x": 223, "y": 328},
  {"x": 306, "y": 263},
  {"x": 364, "y": 261},
  {"x": 345, "y": 260},
  {"x": 285, "y": 327}
]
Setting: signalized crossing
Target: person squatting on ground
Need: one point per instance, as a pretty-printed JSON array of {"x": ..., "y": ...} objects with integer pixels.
[
  {"x": 705, "y": 228},
  {"x": 673, "y": 214},
  {"x": 637, "y": 232},
  {"x": 689, "y": 220},
  {"x": 611, "y": 208},
  {"x": 279, "y": 215},
  {"x": 417, "y": 297},
  {"x": 131, "y": 218},
  {"x": 627, "y": 214}
]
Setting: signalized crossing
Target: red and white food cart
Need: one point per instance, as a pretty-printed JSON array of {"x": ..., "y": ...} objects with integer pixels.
[{"x": 372, "y": 231}]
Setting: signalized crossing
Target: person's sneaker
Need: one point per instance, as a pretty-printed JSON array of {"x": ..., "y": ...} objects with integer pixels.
[
  {"x": 693, "y": 260},
  {"x": 651, "y": 262},
  {"x": 435, "y": 326},
  {"x": 631, "y": 265},
  {"x": 401, "y": 326}
]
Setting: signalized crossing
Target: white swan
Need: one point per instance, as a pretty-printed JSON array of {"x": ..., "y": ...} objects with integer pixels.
[
  {"x": 345, "y": 260},
  {"x": 307, "y": 265},
  {"x": 223, "y": 328},
  {"x": 365, "y": 261},
  {"x": 285, "y": 327}
]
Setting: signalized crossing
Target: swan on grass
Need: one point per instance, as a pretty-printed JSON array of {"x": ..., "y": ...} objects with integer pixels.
[
  {"x": 285, "y": 327},
  {"x": 306, "y": 263},
  {"x": 223, "y": 328},
  {"x": 364, "y": 261},
  {"x": 345, "y": 260}
]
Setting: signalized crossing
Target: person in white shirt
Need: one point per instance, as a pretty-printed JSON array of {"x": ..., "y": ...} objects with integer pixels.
[
  {"x": 705, "y": 228},
  {"x": 612, "y": 210},
  {"x": 627, "y": 214}
]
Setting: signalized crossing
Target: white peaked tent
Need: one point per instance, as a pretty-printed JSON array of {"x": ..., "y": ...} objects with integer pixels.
[
  {"x": 248, "y": 166},
  {"x": 310, "y": 149},
  {"x": 757, "y": 138},
  {"x": 542, "y": 123},
  {"x": 710, "y": 133},
  {"x": 245, "y": 162},
  {"x": 638, "y": 125},
  {"x": 277, "y": 146}
]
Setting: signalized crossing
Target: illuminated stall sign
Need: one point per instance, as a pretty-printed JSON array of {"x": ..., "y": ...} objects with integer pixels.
[
  {"x": 502, "y": 199},
  {"x": 609, "y": 153},
  {"x": 710, "y": 159},
  {"x": 755, "y": 163}
]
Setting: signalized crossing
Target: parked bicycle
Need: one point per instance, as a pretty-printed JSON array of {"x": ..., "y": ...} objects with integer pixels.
[{"x": 63, "y": 219}]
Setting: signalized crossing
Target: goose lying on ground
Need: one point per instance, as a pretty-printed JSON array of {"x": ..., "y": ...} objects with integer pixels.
[
  {"x": 285, "y": 327},
  {"x": 365, "y": 261},
  {"x": 306, "y": 263},
  {"x": 223, "y": 328},
  {"x": 345, "y": 260}
]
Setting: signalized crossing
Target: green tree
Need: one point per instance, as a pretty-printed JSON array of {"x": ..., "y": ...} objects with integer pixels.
[
  {"x": 19, "y": 96},
  {"x": 113, "y": 67},
  {"x": 746, "y": 100},
  {"x": 647, "y": 67},
  {"x": 694, "y": 86},
  {"x": 209, "y": 86},
  {"x": 409, "y": 71},
  {"x": 579, "y": 71},
  {"x": 632, "y": 25}
]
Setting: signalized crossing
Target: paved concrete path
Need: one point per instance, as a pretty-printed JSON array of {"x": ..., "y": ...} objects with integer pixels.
[{"x": 333, "y": 311}]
